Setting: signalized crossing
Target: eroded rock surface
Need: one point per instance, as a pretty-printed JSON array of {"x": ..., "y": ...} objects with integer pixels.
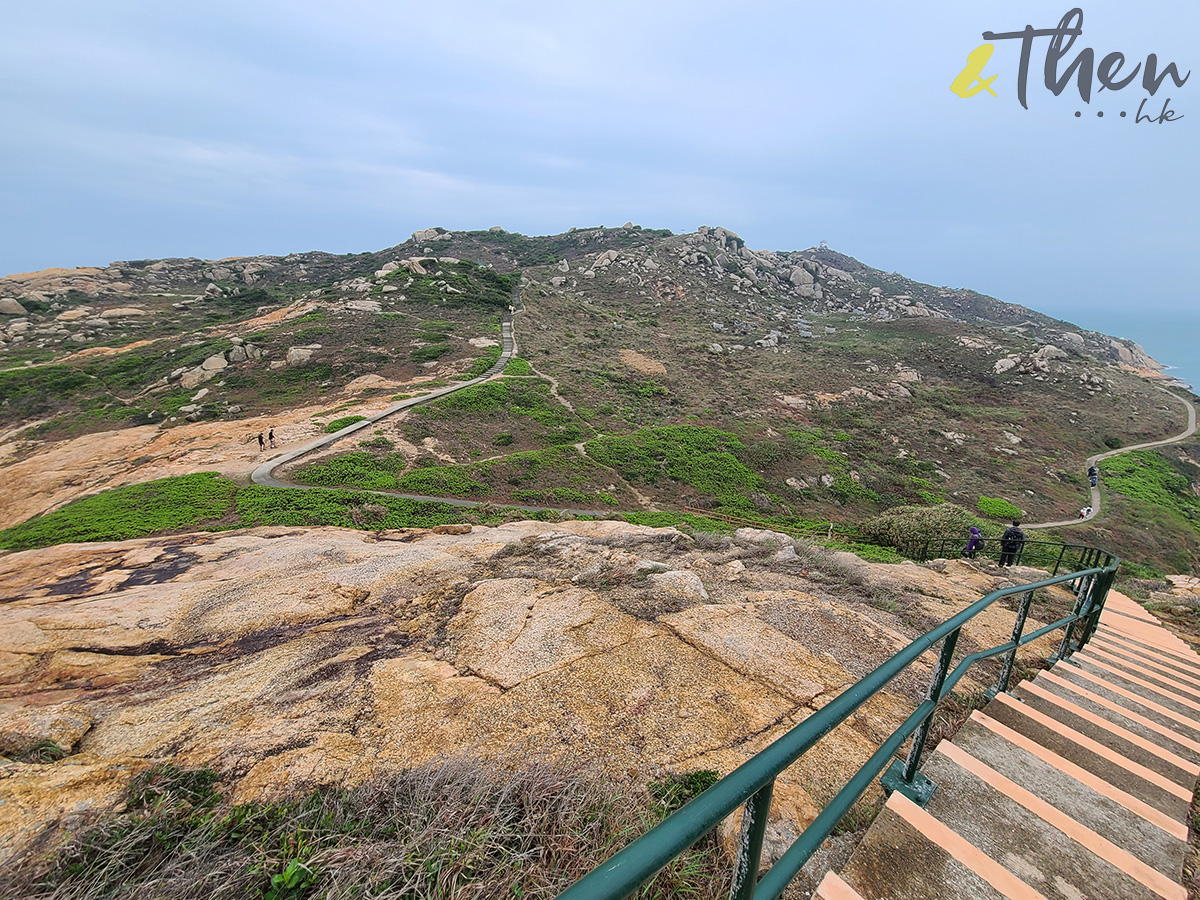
[{"x": 285, "y": 657}]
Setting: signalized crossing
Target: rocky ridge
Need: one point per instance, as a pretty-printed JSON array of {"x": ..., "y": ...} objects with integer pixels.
[{"x": 87, "y": 302}]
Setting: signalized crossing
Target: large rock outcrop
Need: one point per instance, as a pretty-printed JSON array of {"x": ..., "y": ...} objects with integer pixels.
[{"x": 286, "y": 657}]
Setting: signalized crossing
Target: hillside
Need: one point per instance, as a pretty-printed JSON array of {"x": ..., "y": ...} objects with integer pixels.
[{"x": 658, "y": 371}]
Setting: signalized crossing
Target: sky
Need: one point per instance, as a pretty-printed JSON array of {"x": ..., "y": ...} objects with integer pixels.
[{"x": 140, "y": 130}]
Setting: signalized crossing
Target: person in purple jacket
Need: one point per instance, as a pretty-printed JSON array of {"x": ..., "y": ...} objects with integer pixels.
[{"x": 974, "y": 545}]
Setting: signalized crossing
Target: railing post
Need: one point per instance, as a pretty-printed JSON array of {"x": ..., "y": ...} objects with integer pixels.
[
  {"x": 1091, "y": 620},
  {"x": 1087, "y": 584},
  {"x": 910, "y": 782},
  {"x": 1061, "y": 550},
  {"x": 1018, "y": 627},
  {"x": 754, "y": 826}
]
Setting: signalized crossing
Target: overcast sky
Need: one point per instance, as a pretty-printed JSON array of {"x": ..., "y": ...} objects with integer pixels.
[{"x": 138, "y": 130}]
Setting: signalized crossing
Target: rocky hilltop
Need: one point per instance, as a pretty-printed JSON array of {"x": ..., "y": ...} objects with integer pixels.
[
  {"x": 90, "y": 303},
  {"x": 289, "y": 657}
]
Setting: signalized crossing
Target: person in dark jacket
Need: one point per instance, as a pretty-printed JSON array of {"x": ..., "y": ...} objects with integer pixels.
[
  {"x": 974, "y": 545},
  {"x": 1093, "y": 475},
  {"x": 1010, "y": 544}
]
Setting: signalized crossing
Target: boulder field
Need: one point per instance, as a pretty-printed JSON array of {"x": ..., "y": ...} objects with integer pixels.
[{"x": 289, "y": 657}]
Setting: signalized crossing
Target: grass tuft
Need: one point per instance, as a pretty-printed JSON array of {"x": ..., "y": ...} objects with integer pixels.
[{"x": 449, "y": 829}]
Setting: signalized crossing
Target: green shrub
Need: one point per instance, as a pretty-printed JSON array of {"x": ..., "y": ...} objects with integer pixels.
[
  {"x": 344, "y": 422},
  {"x": 914, "y": 524},
  {"x": 995, "y": 508},
  {"x": 357, "y": 469},
  {"x": 679, "y": 789},
  {"x": 377, "y": 443},
  {"x": 700, "y": 457},
  {"x": 135, "y": 510},
  {"x": 450, "y": 481},
  {"x": 259, "y": 505},
  {"x": 431, "y": 352},
  {"x": 482, "y": 363},
  {"x": 518, "y": 366}
]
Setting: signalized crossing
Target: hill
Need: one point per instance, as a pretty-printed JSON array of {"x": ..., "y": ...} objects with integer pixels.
[{"x": 658, "y": 371}]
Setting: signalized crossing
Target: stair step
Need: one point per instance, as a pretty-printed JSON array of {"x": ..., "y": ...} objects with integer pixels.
[
  {"x": 1158, "y": 792},
  {"x": 1138, "y": 685},
  {"x": 1035, "y": 841},
  {"x": 1130, "y": 610},
  {"x": 1148, "y": 834},
  {"x": 1186, "y": 659},
  {"x": 1078, "y": 784},
  {"x": 832, "y": 887},
  {"x": 1165, "y": 682},
  {"x": 1115, "y": 642},
  {"x": 1120, "y": 740},
  {"x": 1142, "y": 632},
  {"x": 1127, "y": 718},
  {"x": 1155, "y": 661},
  {"x": 1140, "y": 703},
  {"x": 906, "y": 854}
]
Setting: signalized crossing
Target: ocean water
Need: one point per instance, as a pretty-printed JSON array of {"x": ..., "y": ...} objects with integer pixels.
[{"x": 1170, "y": 336}]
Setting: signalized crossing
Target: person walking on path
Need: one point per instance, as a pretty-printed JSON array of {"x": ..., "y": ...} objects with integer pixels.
[
  {"x": 262, "y": 445},
  {"x": 1011, "y": 543},
  {"x": 271, "y": 437},
  {"x": 974, "y": 545},
  {"x": 1093, "y": 475}
]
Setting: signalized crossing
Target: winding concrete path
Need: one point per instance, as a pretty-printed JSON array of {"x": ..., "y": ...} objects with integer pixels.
[
  {"x": 265, "y": 473},
  {"x": 1093, "y": 460}
]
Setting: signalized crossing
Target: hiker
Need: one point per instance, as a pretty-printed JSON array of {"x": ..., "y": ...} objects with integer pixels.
[
  {"x": 1087, "y": 512},
  {"x": 1083, "y": 513},
  {"x": 1093, "y": 475},
  {"x": 271, "y": 437},
  {"x": 262, "y": 445},
  {"x": 974, "y": 545},
  {"x": 1010, "y": 544}
]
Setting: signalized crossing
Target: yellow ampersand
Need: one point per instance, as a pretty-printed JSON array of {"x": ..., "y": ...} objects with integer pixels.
[{"x": 970, "y": 81}]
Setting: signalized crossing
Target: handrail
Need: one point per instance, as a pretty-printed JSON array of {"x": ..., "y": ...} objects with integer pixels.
[
  {"x": 753, "y": 781},
  {"x": 1028, "y": 552}
]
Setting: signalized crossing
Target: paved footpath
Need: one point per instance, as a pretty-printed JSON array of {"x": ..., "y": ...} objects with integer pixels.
[
  {"x": 1076, "y": 784},
  {"x": 1093, "y": 460}
]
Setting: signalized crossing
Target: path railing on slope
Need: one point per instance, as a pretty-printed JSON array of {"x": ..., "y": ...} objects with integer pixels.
[
  {"x": 752, "y": 782},
  {"x": 1050, "y": 555}
]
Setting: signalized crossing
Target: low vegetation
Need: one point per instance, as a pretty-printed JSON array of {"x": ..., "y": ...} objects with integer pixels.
[
  {"x": 343, "y": 422},
  {"x": 1152, "y": 494},
  {"x": 452, "y": 828},
  {"x": 168, "y": 504},
  {"x": 206, "y": 501},
  {"x": 996, "y": 508},
  {"x": 701, "y": 458}
]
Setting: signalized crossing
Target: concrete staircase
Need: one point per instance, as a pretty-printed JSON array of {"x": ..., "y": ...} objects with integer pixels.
[{"x": 1074, "y": 785}]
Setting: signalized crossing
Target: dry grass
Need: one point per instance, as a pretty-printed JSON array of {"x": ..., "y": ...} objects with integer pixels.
[{"x": 452, "y": 829}]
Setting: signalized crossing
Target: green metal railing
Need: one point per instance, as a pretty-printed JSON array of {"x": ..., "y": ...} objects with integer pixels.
[
  {"x": 752, "y": 782},
  {"x": 1038, "y": 554}
]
